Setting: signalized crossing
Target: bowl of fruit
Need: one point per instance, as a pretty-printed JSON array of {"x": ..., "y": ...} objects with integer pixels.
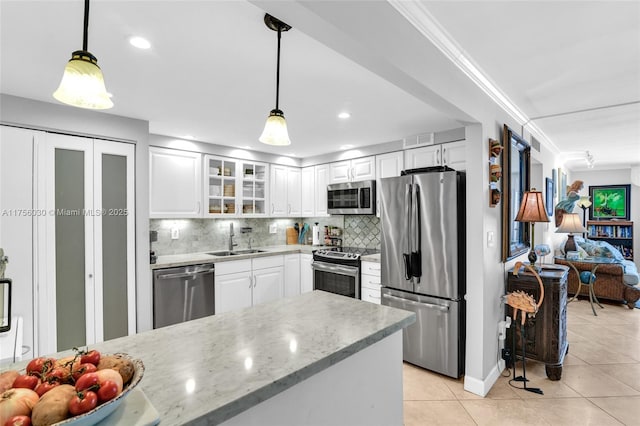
[{"x": 77, "y": 390}]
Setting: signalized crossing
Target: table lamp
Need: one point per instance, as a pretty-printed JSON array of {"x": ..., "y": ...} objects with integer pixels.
[
  {"x": 570, "y": 223},
  {"x": 532, "y": 210},
  {"x": 584, "y": 203}
]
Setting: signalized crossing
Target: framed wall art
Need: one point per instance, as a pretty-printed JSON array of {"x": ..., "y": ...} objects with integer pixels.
[
  {"x": 549, "y": 196},
  {"x": 610, "y": 202}
]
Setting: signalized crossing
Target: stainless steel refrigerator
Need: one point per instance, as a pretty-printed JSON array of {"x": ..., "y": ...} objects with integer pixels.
[{"x": 423, "y": 263}]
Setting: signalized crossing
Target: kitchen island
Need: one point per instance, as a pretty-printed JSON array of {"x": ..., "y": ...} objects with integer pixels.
[{"x": 317, "y": 358}]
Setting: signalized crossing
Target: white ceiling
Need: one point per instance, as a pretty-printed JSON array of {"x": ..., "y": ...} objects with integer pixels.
[{"x": 211, "y": 70}]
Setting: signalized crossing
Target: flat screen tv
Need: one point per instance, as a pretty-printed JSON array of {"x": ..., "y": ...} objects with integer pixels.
[{"x": 610, "y": 202}]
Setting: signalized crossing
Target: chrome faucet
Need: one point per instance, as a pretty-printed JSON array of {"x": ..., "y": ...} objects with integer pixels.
[{"x": 231, "y": 234}]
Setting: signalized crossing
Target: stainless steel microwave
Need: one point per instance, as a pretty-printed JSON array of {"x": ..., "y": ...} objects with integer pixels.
[{"x": 352, "y": 197}]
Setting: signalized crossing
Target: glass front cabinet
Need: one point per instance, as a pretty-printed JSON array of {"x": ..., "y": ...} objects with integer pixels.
[{"x": 234, "y": 187}]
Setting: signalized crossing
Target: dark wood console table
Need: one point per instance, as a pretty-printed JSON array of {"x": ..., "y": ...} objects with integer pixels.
[{"x": 547, "y": 332}]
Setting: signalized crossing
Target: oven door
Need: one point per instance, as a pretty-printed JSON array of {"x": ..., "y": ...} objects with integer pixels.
[{"x": 338, "y": 279}]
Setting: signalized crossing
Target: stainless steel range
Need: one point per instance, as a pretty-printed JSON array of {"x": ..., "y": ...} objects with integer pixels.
[{"x": 337, "y": 270}]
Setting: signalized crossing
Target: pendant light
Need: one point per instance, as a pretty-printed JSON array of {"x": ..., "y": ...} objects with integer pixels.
[
  {"x": 82, "y": 83},
  {"x": 275, "y": 129}
]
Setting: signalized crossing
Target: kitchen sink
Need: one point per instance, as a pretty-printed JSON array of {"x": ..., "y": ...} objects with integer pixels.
[
  {"x": 235, "y": 252},
  {"x": 247, "y": 251},
  {"x": 222, "y": 253}
]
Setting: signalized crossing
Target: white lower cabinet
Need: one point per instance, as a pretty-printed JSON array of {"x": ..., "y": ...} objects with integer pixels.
[
  {"x": 306, "y": 273},
  {"x": 243, "y": 283},
  {"x": 370, "y": 282},
  {"x": 291, "y": 275}
]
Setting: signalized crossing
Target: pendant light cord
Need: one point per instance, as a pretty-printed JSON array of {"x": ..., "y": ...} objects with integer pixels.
[
  {"x": 278, "y": 69},
  {"x": 86, "y": 25}
]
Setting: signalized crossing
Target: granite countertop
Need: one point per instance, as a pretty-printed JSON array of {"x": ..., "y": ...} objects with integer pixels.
[
  {"x": 371, "y": 258},
  {"x": 211, "y": 369},
  {"x": 174, "y": 260}
]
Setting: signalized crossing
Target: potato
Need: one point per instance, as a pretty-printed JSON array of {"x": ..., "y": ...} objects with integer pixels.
[
  {"x": 122, "y": 365},
  {"x": 53, "y": 406},
  {"x": 7, "y": 378}
]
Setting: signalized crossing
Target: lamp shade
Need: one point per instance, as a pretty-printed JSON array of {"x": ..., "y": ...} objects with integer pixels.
[
  {"x": 275, "y": 130},
  {"x": 584, "y": 202},
  {"x": 82, "y": 83},
  {"x": 532, "y": 208},
  {"x": 571, "y": 223}
]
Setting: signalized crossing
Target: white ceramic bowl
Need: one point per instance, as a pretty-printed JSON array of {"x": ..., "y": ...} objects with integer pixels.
[{"x": 101, "y": 411}]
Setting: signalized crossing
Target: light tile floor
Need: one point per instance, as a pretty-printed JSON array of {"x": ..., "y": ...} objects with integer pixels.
[{"x": 600, "y": 382}]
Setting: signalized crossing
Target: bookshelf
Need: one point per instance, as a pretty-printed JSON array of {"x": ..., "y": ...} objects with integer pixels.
[{"x": 618, "y": 233}]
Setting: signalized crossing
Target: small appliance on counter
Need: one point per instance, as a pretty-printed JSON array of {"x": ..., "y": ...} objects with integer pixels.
[
  {"x": 316, "y": 235},
  {"x": 153, "y": 237}
]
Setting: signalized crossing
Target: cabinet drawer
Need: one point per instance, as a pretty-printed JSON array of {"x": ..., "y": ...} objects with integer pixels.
[
  {"x": 232, "y": 267},
  {"x": 268, "y": 262},
  {"x": 370, "y": 280},
  {"x": 369, "y": 294},
  {"x": 370, "y": 268}
]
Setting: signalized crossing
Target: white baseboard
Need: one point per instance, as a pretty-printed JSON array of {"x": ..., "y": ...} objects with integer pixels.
[{"x": 482, "y": 387}]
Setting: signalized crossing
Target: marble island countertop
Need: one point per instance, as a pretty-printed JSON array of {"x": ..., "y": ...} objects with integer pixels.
[
  {"x": 208, "y": 370},
  {"x": 174, "y": 260}
]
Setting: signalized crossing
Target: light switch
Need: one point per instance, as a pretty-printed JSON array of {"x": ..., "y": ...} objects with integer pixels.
[
  {"x": 175, "y": 233},
  {"x": 491, "y": 241}
]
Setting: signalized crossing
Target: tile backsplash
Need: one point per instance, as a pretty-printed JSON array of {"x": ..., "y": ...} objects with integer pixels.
[
  {"x": 200, "y": 235},
  {"x": 362, "y": 231}
]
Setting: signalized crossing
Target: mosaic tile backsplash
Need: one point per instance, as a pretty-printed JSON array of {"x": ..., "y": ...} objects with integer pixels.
[
  {"x": 362, "y": 231},
  {"x": 199, "y": 235}
]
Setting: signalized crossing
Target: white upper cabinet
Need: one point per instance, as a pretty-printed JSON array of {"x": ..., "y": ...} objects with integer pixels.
[
  {"x": 446, "y": 154},
  {"x": 387, "y": 165},
  {"x": 314, "y": 190},
  {"x": 285, "y": 189},
  {"x": 175, "y": 183},
  {"x": 253, "y": 188},
  {"x": 294, "y": 191},
  {"x": 308, "y": 191},
  {"x": 321, "y": 181},
  {"x": 352, "y": 170}
]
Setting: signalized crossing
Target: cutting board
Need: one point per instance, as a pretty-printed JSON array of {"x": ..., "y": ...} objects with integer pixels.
[{"x": 292, "y": 236}]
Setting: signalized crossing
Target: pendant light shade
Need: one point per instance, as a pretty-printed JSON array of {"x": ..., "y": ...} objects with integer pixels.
[
  {"x": 82, "y": 83},
  {"x": 275, "y": 129}
]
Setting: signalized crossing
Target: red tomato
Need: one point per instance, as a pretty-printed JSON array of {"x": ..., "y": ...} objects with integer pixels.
[
  {"x": 83, "y": 402},
  {"x": 18, "y": 421},
  {"x": 87, "y": 381},
  {"x": 58, "y": 374},
  {"x": 45, "y": 387},
  {"x": 26, "y": 381},
  {"x": 40, "y": 366},
  {"x": 108, "y": 390},
  {"x": 91, "y": 357},
  {"x": 82, "y": 369}
]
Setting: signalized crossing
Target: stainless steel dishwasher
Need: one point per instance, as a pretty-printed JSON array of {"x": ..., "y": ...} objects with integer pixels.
[{"x": 182, "y": 294}]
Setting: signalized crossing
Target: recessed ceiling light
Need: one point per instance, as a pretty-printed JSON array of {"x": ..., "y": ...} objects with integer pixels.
[
  {"x": 139, "y": 42},
  {"x": 348, "y": 146},
  {"x": 344, "y": 115}
]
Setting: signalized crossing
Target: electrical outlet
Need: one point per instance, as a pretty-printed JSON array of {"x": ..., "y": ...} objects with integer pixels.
[
  {"x": 506, "y": 356},
  {"x": 175, "y": 233},
  {"x": 273, "y": 228}
]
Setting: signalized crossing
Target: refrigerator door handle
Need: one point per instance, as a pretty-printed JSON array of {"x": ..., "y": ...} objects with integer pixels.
[
  {"x": 406, "y": 254},
  {"x": 416, "y": 258},
  {"x": 414, "y": 303}
]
